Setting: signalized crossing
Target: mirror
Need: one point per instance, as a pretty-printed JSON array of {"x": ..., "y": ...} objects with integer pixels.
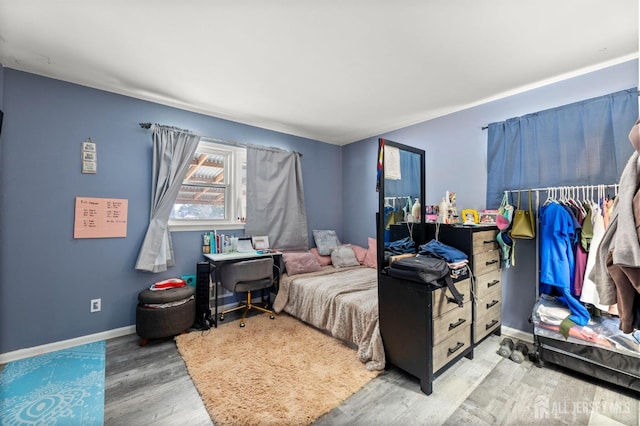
[{"x": 401, "y": 192}]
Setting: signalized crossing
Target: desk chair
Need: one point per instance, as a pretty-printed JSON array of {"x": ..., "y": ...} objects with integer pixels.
[{"x": 247, "y": 276}]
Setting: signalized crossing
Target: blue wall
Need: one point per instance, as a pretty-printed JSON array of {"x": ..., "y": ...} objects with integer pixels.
[
  {"x": 456, "y": 147},
  {"x": 47, "y": 278}
]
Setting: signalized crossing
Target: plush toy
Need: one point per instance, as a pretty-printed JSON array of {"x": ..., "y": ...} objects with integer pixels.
[{"x": 453, "y": 211}]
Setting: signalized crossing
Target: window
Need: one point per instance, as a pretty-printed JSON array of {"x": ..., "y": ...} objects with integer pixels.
[{"x": 213, "y": 193}]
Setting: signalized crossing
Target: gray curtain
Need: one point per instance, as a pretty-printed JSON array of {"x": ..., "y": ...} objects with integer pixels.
[
  {"x": 173, "y": 150},
  {"x": 275, "y": 198}
]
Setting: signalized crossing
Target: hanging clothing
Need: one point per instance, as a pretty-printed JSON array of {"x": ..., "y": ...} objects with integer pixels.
[
  {"x": 617, "y": 268},
  {"x": 580, "y": 266},
  {"x": 620, "y": 236},
  {"x": 589, "y": 292},
  {"x": 587, "y": 228},
  {"x": 628, "y": 291},
  {"x": 557, "y": 262}
]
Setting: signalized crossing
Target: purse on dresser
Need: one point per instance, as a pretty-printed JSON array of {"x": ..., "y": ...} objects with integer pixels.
[{"x": 524, "y": 225}]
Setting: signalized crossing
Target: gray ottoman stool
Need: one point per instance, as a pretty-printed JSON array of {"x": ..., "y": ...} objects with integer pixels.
[{"x": 164, "y": 313}]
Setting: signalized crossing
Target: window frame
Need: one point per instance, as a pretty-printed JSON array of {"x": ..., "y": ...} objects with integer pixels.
[{"x": 233, "y": 189}]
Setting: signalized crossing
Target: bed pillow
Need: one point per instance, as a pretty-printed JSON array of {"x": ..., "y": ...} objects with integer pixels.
[
  {"x": 371, "y": 259},
  {"x": 360, "y": 252},
  {"x": 322, "y": 260},
  {"x": 344, "y": 256},
  {"x": 300, "y": 263},
  {"x": 326, "y": 240}
]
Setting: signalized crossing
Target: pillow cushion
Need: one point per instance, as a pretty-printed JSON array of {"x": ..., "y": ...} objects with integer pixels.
[
  {"x": 300, "y": 262},
  {"x": 326, "y": 240},
  {"x": 371, "y": 259},
  {"x": 344, "y": 256},
  {"x": 360, "y": 252},
  {"x": 322, "y": 260}
]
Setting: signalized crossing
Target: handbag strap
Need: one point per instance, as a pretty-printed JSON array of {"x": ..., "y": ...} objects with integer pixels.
[
  {"x": 457, "y": 297},
  {"x": 529, "y": 196},
  {"x": 518, "y": 200},
  {"x": 505, "y": 200}
]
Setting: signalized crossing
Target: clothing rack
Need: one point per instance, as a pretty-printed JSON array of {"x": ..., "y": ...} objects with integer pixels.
[
  {"x": 391, "y": 201},
  {"x": 555, "y": 189},
  {"x": 570, "y": 189},
  {"x": 593, "y": 360}
]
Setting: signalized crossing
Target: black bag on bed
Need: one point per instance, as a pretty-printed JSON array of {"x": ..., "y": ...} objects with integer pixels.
[{"x": 426, "y": 270}]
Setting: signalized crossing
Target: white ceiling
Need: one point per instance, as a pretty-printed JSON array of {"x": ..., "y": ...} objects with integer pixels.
[{"x": 336, "y": 71}]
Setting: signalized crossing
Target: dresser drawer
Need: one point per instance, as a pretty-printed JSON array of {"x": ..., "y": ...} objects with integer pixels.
[
  {"x": 484, "y": 241},
  {"x": 488, "y": 283},
  {"x": 485, "y": 324},
  {"x": 450, "y": 348},
  {"x": 448, "y": 324},
  {"x": 486, "y": 262},
  {"x": 490, "y": 302},
  {"x": 442, "y": 297}
]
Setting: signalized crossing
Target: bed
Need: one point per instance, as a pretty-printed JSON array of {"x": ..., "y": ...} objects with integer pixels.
[
  {"x": 598, "y": 349},
  {"x": 340, "y": 301}
]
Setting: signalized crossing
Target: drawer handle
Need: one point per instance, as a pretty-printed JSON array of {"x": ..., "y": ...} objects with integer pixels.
[
  {"x": 453, "y": 300},
  {"x": 488, "y": 241},
  {"x": 493, "y": 303},
  {"x": 491, "y": 324},
  {"x": 456, "y": 347},
  {"x": 492, "y": 283},
  {"x": 457, "y": 324},
  {"x": 491, "y": 262}
]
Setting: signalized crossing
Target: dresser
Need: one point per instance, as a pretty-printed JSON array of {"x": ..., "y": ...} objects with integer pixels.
[
  {"x": 424, "y": 330},
  {"x": 479, "y": 243}
]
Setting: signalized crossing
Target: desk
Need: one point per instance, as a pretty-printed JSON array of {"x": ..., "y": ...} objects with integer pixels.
[{"x": 217, "y": 259}]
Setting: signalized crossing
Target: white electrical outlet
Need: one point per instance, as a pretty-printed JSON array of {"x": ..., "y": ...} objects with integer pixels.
[{"x": 96, "y": 305}]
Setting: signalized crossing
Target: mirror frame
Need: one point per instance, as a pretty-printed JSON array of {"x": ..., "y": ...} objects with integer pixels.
[{"x": 380, "y": 220}]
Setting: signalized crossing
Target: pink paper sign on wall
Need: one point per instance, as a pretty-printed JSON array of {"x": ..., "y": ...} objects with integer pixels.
[{"x": 100, "y": 218}]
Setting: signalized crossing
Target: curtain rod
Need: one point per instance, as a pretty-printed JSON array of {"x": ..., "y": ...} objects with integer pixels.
[
  {"x": 227, "y": 142},
  {"x": 637, "y": 93}
]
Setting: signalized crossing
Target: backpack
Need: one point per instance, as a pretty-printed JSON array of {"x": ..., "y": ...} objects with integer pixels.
[{"x": 425, "y": 270}]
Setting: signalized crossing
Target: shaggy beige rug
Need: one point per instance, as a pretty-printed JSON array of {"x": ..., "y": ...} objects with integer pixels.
[{"x": 270, "y": 372}]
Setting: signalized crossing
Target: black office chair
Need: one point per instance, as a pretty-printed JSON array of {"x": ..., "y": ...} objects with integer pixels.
[{"x": 247, "y": 276}]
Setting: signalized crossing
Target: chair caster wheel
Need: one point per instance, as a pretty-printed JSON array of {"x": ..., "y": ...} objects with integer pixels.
[
  {"x": 242, "y": 324},
  {"x": 271, "y": 316},
  {"x": 221, "y": 317}
]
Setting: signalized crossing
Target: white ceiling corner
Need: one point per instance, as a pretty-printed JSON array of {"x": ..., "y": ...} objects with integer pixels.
[{"x": 332, "y": 71}]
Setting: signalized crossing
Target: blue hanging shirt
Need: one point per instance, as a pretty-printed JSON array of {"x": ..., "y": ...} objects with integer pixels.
[{"x": 557, "y": 263}]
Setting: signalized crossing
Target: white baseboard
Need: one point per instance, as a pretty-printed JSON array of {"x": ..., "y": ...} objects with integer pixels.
[
  {"x": 65, "y": 344},
  {"x": 517, "y": 334}
]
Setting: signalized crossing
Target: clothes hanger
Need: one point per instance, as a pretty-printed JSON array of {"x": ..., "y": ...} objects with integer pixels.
[{"x": 550, "y": 196}]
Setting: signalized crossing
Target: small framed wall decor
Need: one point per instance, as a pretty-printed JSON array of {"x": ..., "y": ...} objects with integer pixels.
[
  {"x": 89, "y": 167},
  {"x": 89, "y": 157},
  {"x": 88, "y": 146},
  {"x": 470, "y": 216},
  {"x": 488, "y": 216}
]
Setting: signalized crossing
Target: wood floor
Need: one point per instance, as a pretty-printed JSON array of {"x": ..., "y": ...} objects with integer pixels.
[{"x": 150, "y": 385}]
